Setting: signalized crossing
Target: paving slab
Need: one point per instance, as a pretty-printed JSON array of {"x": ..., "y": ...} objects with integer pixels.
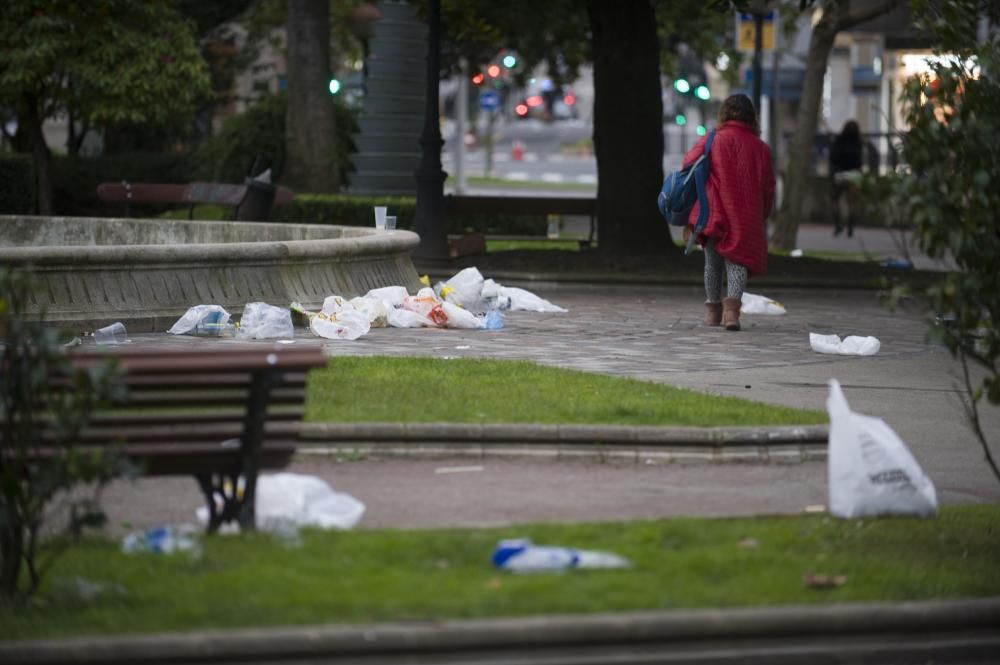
[{"x": 656, "y": 334}]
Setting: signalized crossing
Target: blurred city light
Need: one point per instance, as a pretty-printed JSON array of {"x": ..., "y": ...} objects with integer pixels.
[
  {"x": 681, "y": 119},
  {"x": 701, "y": 131},
  {"x": 702, "y": 92},
  {"x": 682, "y": 86},
  {"x": 509, "y": 61},
  {"x": 478, "y": 78},
  {"x": 334, "y": 86},
  {"x": 493, "y": 70}
]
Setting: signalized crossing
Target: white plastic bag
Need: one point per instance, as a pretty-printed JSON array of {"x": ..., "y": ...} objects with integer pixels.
[
  {"x": 461, "y": 318},
  {"x": 376, "y": 310},
  {"x": 752, "y": 303},
  {"x": 200, "y": 314},
  {"x": 393, "y": 296},
  {"x": 464, "y": 288},
  {"x": 850, "y": 346},
  {"x": 870, "y": 469},
  {"x": 427, "y": 305},
  {"x": 284, "y": 499},
  {"x": 344, "y": 324},
  {"x": 404, "y": 318},
  {"x": 526, "y": 300},
  {"x": 263, "y": 321}
]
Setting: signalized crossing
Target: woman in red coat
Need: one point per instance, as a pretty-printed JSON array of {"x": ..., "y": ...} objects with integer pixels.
[{"x": 740, "y": 195}]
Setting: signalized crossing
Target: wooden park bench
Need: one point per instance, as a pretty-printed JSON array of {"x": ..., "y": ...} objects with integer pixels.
[
  {"x": 527, "y": 205},
  {"x": 218, "y": 414},
  {"x": 192, "y": 194}
]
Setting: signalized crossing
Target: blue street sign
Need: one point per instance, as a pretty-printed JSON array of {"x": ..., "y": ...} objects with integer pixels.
[{"x": 489, "y": 100}]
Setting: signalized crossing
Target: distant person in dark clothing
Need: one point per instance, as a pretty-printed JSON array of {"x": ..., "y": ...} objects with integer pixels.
[{"x": 845, "y": 167}]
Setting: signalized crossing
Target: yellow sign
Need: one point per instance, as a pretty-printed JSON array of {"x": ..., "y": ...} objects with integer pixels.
[{"x": 746, "y": 32}]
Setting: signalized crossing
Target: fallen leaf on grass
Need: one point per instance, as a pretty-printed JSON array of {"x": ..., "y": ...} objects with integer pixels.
[
  {"x": 822, "y": 581},
  {"x": 494, "y": 583},
  {"x": 748, "y": 543}
]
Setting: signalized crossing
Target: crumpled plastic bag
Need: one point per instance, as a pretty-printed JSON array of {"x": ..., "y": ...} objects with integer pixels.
[
  {"x": 295, "y": 499},
  {"x": 461, "y": 318},
  {"x": 375, "y": 309},
  {"x": 464, "y": 288},
  {"x": 216, "y": 315},
  {"x": 392, "y": 296},
  {"x": 526, "y": 300},
  {"x": 337, "y": 320},
  {"x": 263, "y": 321},
  {"x": 754, "y": 304},
  {"x": 870, "y": 470},
  {"x": 404, "y": 318},
  {"x": 493, "y": 297},
  {"x": 850, "y": 346},
  {"x": 426, "y": 304}
]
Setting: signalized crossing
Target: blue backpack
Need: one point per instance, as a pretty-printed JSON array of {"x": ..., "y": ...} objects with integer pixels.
[{"x": 682, "y": 189}]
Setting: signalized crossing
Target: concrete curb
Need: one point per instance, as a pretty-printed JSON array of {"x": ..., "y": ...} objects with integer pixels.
[
  {"x": 969, "y": 628},
  {"x": 627, "y": 443}
]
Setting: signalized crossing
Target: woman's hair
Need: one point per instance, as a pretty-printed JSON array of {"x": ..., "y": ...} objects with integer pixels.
[
  {"x": 740, "y": 108},
  {"x": 851, "y": 130}
]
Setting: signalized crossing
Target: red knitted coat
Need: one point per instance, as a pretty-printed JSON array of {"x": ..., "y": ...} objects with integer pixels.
[{"x": 740, "y": 195}]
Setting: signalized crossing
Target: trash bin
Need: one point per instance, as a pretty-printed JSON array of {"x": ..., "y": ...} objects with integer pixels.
[{"x": 257, "y": 204}]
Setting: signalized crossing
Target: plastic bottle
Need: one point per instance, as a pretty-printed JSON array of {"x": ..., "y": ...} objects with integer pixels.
[
  {"x": 523, "y": 556},
  {"x": 494, "y": 320}
]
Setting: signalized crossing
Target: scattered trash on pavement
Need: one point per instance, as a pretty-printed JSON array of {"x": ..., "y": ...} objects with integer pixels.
[
  {"x": 520, "y": 555},
  {"x": 163, "y": 540},
  {"x": 263, "y": 321},
  {"x": 211, "y": 320},
  {"x": 870, "y": 470},
  {"x": 113, "y": 334},
  {"x": 852, "y": 345},
  {"x": 754, "y": 304}
]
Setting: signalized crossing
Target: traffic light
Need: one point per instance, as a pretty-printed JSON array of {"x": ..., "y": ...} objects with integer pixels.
[
  {"x": 493, "y": 71},
  {"x": 702, "y": 92},
  {"x": 681, "y": 119},
  {"x": 478, "y": 78},
  {"x": 701, "y": 131},
  {"x": 334, "y": 86},
  {"x": 509, "y": 61},
  {"x": 682, "y": 86}
]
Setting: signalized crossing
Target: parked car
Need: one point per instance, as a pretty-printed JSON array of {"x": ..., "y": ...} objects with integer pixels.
[{"x": 547, "y": 102}]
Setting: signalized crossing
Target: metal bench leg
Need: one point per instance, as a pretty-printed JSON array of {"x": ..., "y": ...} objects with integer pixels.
[{"x": 253, "y": 432}]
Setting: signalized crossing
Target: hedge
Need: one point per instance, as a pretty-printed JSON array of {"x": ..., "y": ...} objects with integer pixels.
[
  {"x": 17, "y": 185},
  {"x": 356, "y": 210}
]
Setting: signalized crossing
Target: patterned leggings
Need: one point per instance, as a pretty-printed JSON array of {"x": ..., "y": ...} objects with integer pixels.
[{"x": 736, "y": 276}]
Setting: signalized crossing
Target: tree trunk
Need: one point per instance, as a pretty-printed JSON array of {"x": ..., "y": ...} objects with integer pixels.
[
  {"x": 310, "y": 137},
  {"x": 628, "y": 126},
  {"x": 799, "y": 169},
  {"x": 836, "y": 17},
  {"x": 41, "y": 157}
]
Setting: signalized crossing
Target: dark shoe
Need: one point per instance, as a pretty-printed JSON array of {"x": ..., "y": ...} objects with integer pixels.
[
  {"x": 731, "y": 313},
  {"x": 713, "y": 313}
]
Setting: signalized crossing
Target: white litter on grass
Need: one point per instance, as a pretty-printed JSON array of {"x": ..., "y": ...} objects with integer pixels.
[
  {"x": 852, "y": 345},
  {"x": 753, "y": 304}
]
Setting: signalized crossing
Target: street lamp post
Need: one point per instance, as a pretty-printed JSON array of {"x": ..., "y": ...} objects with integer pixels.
[{"x": 430, "y": 214}]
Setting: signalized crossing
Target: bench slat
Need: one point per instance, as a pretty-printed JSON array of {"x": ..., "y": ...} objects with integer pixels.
[{"x": 182, "y": 433}]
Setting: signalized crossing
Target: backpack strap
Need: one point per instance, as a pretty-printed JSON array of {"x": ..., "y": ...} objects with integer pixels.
[{"x": 701, "y": 183}]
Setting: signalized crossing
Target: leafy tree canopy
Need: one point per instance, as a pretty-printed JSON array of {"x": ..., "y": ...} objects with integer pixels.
[{"x": 113, "y": 61}]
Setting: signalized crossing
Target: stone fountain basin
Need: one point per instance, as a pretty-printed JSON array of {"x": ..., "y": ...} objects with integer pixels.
[{"x": 147, "y": 272}]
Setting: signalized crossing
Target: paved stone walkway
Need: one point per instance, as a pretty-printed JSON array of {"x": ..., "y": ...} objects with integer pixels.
[{"x": 652, "y": 333}]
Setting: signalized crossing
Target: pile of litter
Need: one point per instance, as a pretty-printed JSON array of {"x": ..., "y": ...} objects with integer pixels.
[{"x": 467, "y": 300}]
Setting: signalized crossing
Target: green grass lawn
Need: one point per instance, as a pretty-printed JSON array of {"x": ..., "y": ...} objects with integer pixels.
[
  {"x": 384, "y": 389},
  {"x": 383, "y": 575},
  {"x": 541, "y": 243}
]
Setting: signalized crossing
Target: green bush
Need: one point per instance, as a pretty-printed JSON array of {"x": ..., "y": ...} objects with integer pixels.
[
  {"x": 17, "y": 185},
  {"x": 351, "y": 210},
  {"x": 229, "y": 155}
]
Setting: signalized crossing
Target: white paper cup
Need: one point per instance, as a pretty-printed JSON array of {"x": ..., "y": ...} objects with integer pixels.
[
  {"x": 380, "y": 217},
  {"x": 390, "y": 223},
  {"x": 113, "y": 334}
]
